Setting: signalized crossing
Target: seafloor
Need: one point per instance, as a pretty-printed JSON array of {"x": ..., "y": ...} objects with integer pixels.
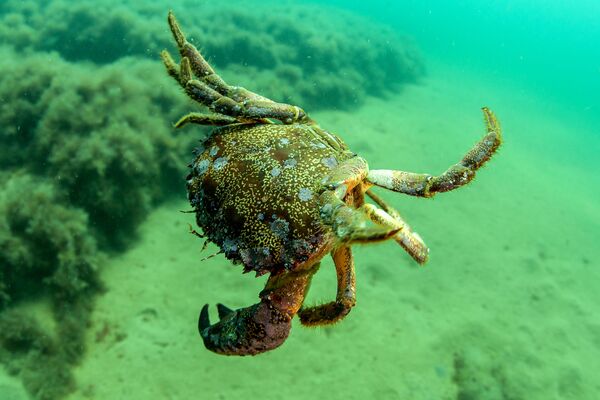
[{"x": 506, "y": 308}]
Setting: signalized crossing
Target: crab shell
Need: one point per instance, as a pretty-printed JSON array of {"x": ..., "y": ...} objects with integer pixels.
[{"x": 255, "y": 190}]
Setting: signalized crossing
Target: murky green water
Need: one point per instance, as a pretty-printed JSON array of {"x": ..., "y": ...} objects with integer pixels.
[{"x": 101, "y": 283}]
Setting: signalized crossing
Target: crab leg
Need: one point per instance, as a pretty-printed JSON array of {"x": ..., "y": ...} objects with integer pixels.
[
  {"x": 212, "y": 91},
  {"x": 461, "y": 173},
  {"x": 205, "y": 119},
  {"x": 200, "y": 66},
  {"x": 170, "y": 65},
  {"x": 263, "y": 326},
  {"x": 388, "y": 216},
  {"x": 346, "y": 293}
]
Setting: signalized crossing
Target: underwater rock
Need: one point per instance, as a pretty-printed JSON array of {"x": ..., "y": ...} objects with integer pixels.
[
  {"x": 30, "y": 353},
  {"x": 85, "y": 152}
]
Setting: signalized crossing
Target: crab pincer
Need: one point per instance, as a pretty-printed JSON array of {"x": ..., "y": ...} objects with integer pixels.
[{"x": 261, "y": 327}]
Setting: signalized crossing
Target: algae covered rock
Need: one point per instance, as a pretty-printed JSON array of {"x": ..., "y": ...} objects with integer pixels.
[
  {"x": 85, "y": 152},
  {"x": 47, "y": 254},
  {"x": 27, "y": 351},
  {"x": 101, "y": 133},
  {"x": 45, "y": 247},
  {"x": 318, "y": 57}
]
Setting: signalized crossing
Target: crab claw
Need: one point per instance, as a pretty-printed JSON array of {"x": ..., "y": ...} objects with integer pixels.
[
  {"x": 203, "y": 321},
  {"x": 262, "y": 326},
  {"x": 223, "y": 310},
  {"x": 246, "y": 331}
]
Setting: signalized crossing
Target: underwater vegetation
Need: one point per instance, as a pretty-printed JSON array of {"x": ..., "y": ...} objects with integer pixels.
[
  {"x": 82, "y": 168},
  {"x": 103, "y": 137},
  {"x": 46, "y": 252},
  {"x": 87, "y": 147},
  {"x": 332, "y": 62}
]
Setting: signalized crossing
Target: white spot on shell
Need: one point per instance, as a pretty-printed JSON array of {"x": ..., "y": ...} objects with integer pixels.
[
  {"x": 290, "y": 163},
  {"x": 329, "y": 162},
  {"x": 213, "y": 151},
  {"x": 305, "y": 194},
  {"x": 245, "y": 254},
  {"x": 275, "y": 171},
  {"x": 284, "y": 141},
  {"x": 202, "y": 167},
  {"x": 280, "y": 228},
  {"x": 229, "y": 245},
  {"x": 220, "y": 163}
]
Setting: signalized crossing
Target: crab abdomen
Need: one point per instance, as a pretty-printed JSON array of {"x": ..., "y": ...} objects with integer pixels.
[{"x": 255, "y": 192}]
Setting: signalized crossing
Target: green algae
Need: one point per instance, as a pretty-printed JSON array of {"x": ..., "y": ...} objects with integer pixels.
[
  {"x": 46, "y": 252},
  {"x": 102, "y": 136},
  {"x": 333, "y": 61}
]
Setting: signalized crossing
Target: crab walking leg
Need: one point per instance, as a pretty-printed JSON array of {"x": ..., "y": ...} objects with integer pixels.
[
  {"x": 220, "y": 104},
  {"x": 199, "y": 65},
  {"x": 387, "y": 216},
  {"x": 170, "y": 65},
  {"x": 263, "y": 326},
  {"x": 247, "y": 104},
  {"x": 202, "y": 68},
  {"x": 461, "y": 173},
  {"x": 205, "y": 119},
  {"x": 256, "y": 109},
  {"x": 345, "y": 299},
  {"x": 202, "y": 93}
]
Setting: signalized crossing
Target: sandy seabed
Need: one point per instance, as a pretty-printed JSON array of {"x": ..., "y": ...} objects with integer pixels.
[{"x": 505, "y": 309}]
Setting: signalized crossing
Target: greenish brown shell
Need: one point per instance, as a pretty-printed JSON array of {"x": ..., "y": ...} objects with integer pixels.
[{"x": 255, "y": 188}]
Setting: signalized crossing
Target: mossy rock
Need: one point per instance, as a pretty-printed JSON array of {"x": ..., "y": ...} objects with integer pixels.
[
  {"x": 102, "y": 133},
  {"x": 317, "y": 57},
  {"x": 47, "y": 253},
  {"x": 45, "y": 245}
]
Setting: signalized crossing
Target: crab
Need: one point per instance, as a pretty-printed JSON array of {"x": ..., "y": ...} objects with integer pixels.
[{"x": 277, "y": 193}]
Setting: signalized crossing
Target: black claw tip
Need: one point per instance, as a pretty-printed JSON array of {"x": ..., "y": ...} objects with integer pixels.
[
  {"x": 223, "y": 310},
  {"x": 203, "y": 321}
]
